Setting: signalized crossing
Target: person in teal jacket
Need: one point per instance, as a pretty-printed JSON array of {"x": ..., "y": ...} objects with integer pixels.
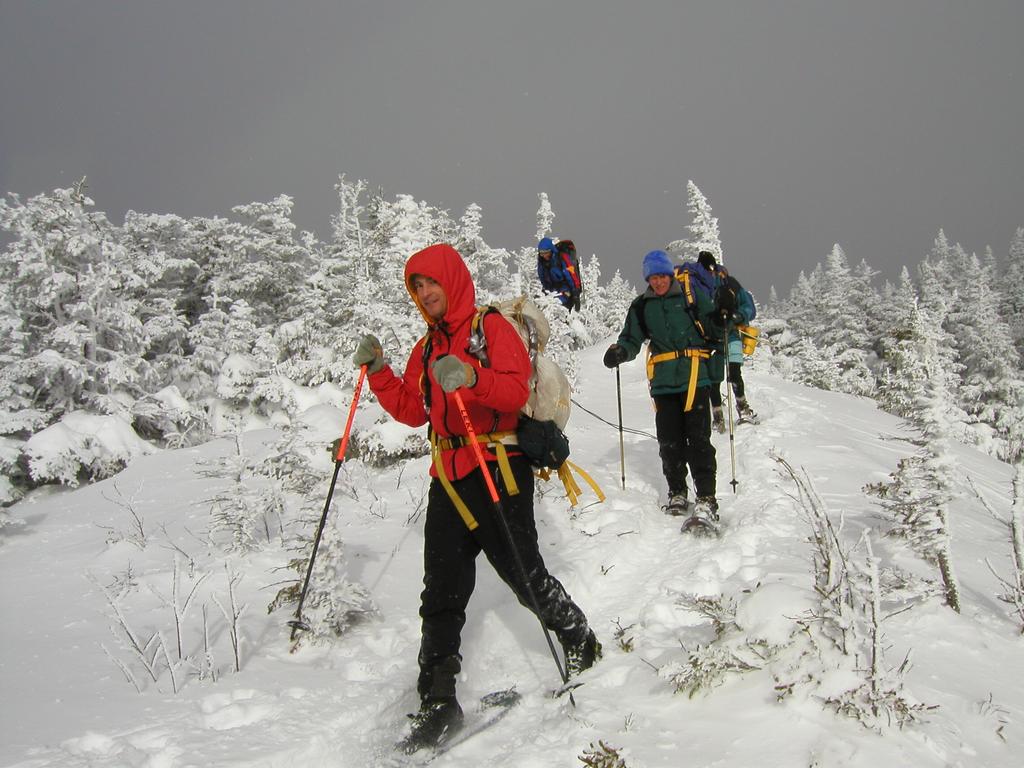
[
  {"x": 679, "y": 323},
  {"x": 744, "y": 314}
]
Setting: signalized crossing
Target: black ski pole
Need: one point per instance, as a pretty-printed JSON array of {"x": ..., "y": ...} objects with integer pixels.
[
  {"x": 298, "y": 623},
  {"x": 622, "y": 448},
  {"x": 500, "y": 512}
]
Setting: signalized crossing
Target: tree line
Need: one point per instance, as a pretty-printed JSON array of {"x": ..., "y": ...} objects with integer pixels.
[
  {"x": 189, "y": 327},
  {"x": 951, "y": 337}
]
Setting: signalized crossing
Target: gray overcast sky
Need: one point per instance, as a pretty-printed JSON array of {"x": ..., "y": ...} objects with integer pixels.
[{"x": 869, "y": 123}]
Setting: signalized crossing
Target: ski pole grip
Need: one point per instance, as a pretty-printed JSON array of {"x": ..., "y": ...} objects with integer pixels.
[
  {"x": 476, "y": 446},
  {"x": 343, "y": 445}
]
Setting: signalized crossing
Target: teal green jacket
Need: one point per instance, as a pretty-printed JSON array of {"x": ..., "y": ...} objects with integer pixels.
[{"x": 665, "y": 322}]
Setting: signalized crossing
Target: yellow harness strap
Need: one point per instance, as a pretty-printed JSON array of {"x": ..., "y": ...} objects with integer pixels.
[
  {"x": 695, "y": 355},
  {"x": 460, "y": 505},
  {"x": 572, "y": 488},
  {"x": 691, "y": 303},
  {"x": 493, "y": 441},
  {"x": 496, "y": 441}
]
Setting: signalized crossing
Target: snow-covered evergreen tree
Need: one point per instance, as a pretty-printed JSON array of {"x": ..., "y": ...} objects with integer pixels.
[
  {"x": 545, "y": 216},
  {"x": 920, "y": 492},
  {"x": 991, "y": 382},
  {"x": 703, "y": 228},
  {"x": 1011, "y": 285},
  {"x": 70, "y": 280},
  {"x": 845, "y": 338},
  {"x": 487, "y": 265}
]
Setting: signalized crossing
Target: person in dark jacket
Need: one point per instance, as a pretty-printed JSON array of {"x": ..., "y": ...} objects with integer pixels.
[
  {"x": 680, "y": 382},
  {"x": 461, "y": 519},
  {"x": 743, "y": 315},
  {"x": 557, "y": 273}
]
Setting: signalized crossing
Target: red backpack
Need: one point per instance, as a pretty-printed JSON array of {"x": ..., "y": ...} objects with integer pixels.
[{"x": 567, "y": 250}]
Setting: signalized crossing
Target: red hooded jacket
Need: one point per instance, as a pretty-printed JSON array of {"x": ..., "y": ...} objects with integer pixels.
[{"x": 493, "y": 403}]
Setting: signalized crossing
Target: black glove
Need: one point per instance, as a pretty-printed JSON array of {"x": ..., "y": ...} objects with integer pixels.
[
  {"x": 614, "y": 356},
  {"x": 725, "y": 300}
]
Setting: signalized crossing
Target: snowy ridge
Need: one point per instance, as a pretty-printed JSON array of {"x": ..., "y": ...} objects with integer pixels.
[{"x": 66, "y": 703}]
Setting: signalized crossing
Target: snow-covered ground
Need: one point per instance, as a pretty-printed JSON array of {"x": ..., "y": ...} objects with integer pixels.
[{"x": 65, "y": 700}]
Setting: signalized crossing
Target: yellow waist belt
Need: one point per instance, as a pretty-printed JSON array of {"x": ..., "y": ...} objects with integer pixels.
[
  {"x": 497, "y": 441},
  {"x": 493, "y": 440},
  {"x": 695, "y": 355}
]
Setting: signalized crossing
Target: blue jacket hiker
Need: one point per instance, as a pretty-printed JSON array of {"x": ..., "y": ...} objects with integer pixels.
[
  {"x": 558, "y": 271},
  {"x": 678, "y": 323}
]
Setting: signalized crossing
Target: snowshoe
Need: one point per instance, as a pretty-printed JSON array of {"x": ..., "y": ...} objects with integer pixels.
[
  {"x": 704, "y": 520},
  {"x": 746, "y": 413},
  {"x": 678, "y": 503},
  {"x": 436, "y": 722}
]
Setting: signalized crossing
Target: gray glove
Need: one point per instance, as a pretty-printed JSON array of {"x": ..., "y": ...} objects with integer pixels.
[
  {"x": 451, "y": 373},
  {"x": 369, "y": 353}
]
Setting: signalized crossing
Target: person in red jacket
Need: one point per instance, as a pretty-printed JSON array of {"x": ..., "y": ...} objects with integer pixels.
[{"x": 461, "y": 518}]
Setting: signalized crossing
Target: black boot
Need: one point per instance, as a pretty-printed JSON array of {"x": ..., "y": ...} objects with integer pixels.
[
  {"x": 440, "y": 714},
  {"x": 582, "y": 655},
  {"x": 436, "y": 722}
]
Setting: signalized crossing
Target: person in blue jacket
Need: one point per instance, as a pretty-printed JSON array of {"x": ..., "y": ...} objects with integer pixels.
[{"x": 556, "y": 276}]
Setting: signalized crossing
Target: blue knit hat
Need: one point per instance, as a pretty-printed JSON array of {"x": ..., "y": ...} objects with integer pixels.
[
  {"x": 657, "y": 263},
  {"x": 546, "y": 244}
]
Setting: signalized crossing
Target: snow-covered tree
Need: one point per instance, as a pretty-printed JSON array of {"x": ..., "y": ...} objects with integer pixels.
[
  {"x": 487, "y": 265},
  {"x": 703, "y": 228},
  {"x": 845, "y": 337},
  {"x": 919, "y": 493},
  {"x": 545, "y": 216},
  {"x": 1011, "y": 286},
  {"x": 991, "y": 382},
  {"x": 72, "y": 284}
]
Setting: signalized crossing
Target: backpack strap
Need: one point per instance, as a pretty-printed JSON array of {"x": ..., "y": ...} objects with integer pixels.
[
  {"x": 477, "y": 340},
  {"x": 638, "y": 305},
  {"x": 424, "y": 384},
  {"x": 691, "y": 304}
]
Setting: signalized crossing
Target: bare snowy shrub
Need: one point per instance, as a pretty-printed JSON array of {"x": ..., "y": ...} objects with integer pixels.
[
  {"x": 840, "y": 639},
  {"x": 136, "y": 532},
  {"x": 731, "y": 653},
  {"x": 232, "y": 614},
  {"x": 602, "y": 756},
  {"x": 1013, "y": 585},
  {"x": 625, "y": 643},
  {"x": 709, "y": 665},
  {"x": 172, "y": 662},
  {"x": 247, "y": 514},
  {"x": 718, "y": 609},
  {"x": 179, "y": 606}
]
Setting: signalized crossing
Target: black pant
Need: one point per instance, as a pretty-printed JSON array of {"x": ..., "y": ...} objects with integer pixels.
[
  {"x": 684, "y": 439},
  {"x": 449, "y": 570},
  {"x": 735, "y": 379}
]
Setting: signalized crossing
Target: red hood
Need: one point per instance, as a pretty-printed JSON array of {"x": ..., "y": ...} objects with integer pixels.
[{"x": 443, "y": 263}]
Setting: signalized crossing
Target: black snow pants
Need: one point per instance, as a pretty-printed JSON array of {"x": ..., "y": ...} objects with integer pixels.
[
  {"x": 684, "y": 440},
  {"x": 449, "y": 571},
  {"x": 735, "y": 379}
]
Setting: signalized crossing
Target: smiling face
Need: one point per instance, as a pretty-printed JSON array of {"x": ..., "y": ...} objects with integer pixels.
[
  {"x": 430, "y": 296},
  {"x": 660, "y": 284}
]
